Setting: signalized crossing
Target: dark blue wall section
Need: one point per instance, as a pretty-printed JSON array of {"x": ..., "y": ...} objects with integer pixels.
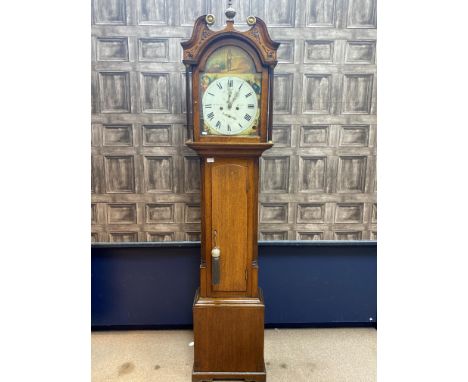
[
  {"x": 319, "y": 284},
  {"x": 304, "y": 283}
]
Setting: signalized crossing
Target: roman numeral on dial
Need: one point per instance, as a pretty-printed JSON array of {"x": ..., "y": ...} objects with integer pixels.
[
  {"x": 230, "y": 83},
  {"x": 248, "y": 95},
  {"x": 250, "y": 106},
  {"x": 247, "y": 117},
  {"x": 218, "y": 125},
  {"x": 208, "y": 106},
  {"x": 210, "y": 116},
  {"x": 219, "y": 85}
]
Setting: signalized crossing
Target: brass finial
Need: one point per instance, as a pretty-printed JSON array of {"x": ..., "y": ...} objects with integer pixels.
[
  {"x": 230, "y": 12},
  {"x": 210, "y": 19},
  {"x": 251, "y": 20}
]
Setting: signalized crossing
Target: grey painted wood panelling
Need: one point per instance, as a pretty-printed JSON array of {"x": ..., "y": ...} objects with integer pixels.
[{"x": 319, "y": 180}]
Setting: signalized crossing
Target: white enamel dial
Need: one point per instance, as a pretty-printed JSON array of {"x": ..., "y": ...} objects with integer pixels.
[{"x": 229, "y": 106}]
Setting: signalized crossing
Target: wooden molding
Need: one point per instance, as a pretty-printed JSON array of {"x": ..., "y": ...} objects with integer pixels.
[
  {"x": 226, "y": 149},
  {"x": 221, "y": 301},
  {"x": 257, "y": 36}
]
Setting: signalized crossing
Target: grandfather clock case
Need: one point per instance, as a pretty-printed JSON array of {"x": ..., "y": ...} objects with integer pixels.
[{"x": 229, "y": 94}]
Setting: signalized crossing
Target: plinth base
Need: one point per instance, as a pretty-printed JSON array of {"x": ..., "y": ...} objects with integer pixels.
[
  {"x": 229, "y": 335},
  {"x": 220, "y": 376}
]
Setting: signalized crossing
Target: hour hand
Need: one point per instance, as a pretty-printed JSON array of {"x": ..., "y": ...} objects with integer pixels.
[{"x": 229, "y": 116}]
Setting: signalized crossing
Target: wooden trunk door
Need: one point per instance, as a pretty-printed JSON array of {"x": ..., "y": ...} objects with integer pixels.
[{"x": 230, "y": 180}]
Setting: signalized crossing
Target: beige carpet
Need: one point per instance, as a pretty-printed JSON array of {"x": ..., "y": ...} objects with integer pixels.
[{"x": 291, "y": 355}]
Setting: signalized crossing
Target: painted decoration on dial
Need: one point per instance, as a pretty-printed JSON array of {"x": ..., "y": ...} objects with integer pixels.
[
  {"x": 230, "y": 91},
  {"x": 230, "y": 59}
]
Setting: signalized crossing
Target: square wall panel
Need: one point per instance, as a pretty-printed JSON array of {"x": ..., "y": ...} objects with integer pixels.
[
  {"x": 114, "y": 92},
  {"x": 320, "y": 13},
  {"x": 152, "y": 12},
  {"x": 153, "y": 49},
  {"x": 362, "y": 14},
  {"x": 317, "y": 93},
  {"x": 349, "y": 213},
  {"x": 310, "y": 236},
  {"x": 354, "y": 136},
  {"x": 318, "y": 51},
  {"x": 112, "y": 49},
  {"x": 281, "y": 135},
  {"x": 352, "y": 174},
  {"x": 271, "y": 236},
  {"x": 275, "y": 174},
  {"x": 119, "y": 174},
  {"x": 123, "y": 237},
  {"x": 348, "y": 235},
  {"x": 312, "y": 172},
  {"x": 117, "y": 135},
  {"x": 280, "y": 13},
  {"x": 313, "y": 136},
  {"x": 160, "y": 236},
  {"x": 157, "y": 135},
  {"x": 121, "y": 214},
  {"x": 154, "y": 90},
  {"x": 159, "y": 213},
  {"x": 273, "y": 213},
  {"x": 109, "y": 12},
  {"x": 311, "y": 213},
  {"x": 158, "y": 173},
  {"x": 192, "y": 213},
  {"x": 360, "y": 52},
  {"x": 357, "y": 93}
]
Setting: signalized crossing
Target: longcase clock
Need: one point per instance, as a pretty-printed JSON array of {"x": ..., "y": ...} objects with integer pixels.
[{"x": 229, "y": 86}]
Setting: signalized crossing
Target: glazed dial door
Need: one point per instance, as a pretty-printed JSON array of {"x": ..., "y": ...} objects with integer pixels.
[
  {"x": 230, "y": 93},
  {"x": 230, "y": 106}
]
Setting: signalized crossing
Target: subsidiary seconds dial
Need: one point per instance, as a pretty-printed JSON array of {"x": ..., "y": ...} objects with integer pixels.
[{"x": 229, "y": 106}]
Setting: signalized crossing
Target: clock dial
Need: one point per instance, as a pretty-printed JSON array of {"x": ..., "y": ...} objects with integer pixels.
[{"x": 230, "y": 106}]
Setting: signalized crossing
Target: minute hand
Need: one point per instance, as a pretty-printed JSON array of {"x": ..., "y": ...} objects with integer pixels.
[{"x": 235, "y": 97}]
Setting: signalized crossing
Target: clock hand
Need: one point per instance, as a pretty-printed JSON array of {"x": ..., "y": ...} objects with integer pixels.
[
  {"x": 229, "y": 97},
  {"x": 229, "y": 116},
  {"x": 235, "y": 97}
]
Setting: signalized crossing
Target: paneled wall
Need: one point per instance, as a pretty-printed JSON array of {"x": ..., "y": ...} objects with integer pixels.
[{"x": 319, "y": 180}]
